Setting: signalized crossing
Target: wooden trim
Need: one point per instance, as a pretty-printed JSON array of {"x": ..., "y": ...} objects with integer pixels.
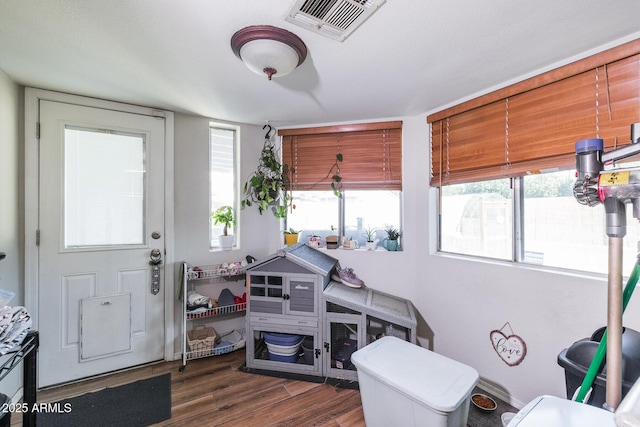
[
  {"x": 620, "y": 52},
  {"x": 341, "y": 128}
]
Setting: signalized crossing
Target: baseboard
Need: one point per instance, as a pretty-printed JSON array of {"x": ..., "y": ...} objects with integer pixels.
[{"x": 500, "y": 394}]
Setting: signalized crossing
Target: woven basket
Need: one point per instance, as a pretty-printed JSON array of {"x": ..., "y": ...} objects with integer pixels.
[{"x": 201, "y": 340}]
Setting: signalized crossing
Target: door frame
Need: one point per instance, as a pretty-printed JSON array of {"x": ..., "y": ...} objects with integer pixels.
[{"x": 32, "y": 99}]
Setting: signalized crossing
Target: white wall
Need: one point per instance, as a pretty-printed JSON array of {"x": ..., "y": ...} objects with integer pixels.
[
  {"x": 258, "y": 235},
  {"x": 461, "y": 300},
  {"x": 10, "y": 203}
]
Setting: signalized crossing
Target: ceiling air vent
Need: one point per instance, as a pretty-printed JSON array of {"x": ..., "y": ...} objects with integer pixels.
[{"x": 332, "y": 18}]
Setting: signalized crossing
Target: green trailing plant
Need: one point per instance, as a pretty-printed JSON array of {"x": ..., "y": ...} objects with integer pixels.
[
  {"x": 334, "y": 174},
  {"x": 223, "y": 215},
  {"x": 266, "y": 187},
  {"x": 336, "y": 185},
  {"x": 369, "y": 234},
  {"x": 392, "y": 233}
]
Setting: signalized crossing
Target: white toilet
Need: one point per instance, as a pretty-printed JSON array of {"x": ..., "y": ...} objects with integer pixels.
[{"x": 402, "y": 384}]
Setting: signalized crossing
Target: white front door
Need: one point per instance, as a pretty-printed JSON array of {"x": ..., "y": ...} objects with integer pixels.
[{"x": 101, "y": 214}]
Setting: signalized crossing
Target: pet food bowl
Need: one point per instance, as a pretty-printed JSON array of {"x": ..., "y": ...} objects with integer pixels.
[{"x": 483, "y": 402}]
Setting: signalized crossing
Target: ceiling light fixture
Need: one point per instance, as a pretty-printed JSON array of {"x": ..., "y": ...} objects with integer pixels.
[{"x": 269, "y": 50}]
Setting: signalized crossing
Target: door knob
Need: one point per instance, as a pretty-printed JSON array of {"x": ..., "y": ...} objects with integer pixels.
[{"x": 156, "y": 256}]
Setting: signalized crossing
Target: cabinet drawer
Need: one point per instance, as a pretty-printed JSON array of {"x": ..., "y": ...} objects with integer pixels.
[{"x": 288, "y": 321}]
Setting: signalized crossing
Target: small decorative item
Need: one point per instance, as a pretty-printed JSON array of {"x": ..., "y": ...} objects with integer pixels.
[
  {"x": 511, "y": 348},
  {"x": 390, "y": 242},
  {"x": 291, "y": 237},
  {"x": 349, "y": 243},
  {"x": 332, "y": 240},
  {"x": 370, "y": 235},
  {"x": 224, "y": 215},
  {"x": 316, "y": 242}
]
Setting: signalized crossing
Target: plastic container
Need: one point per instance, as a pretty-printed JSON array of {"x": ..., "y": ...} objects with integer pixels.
[
  {"x": 576, "y": 360},
  {"x": 287, "y": 358},
  {"x": 402, "y": 384},
  {"x": 281, "y": 339},
  {"x": 283, "y": 347},
  {"x": 285, "y": 350}
]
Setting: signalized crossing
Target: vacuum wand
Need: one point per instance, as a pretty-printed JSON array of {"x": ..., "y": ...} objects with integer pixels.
[{"x": 614, "y": 189}]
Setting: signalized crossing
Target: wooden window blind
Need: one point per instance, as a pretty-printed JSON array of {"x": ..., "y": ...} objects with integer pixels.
[
  {"x": 533, "y": 125},
  {"x": 371, "y": 153}
]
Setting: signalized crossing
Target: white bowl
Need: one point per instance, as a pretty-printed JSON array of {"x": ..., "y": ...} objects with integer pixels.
[{"x": 506, "y": 418}]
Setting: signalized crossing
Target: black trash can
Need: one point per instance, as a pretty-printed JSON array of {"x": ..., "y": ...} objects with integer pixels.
[
  {"x": 5, "y": 416},
  {"x": 576, "y": 361}
]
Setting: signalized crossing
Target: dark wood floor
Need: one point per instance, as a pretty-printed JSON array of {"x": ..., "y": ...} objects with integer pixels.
[{"x": 214, "y": 392}]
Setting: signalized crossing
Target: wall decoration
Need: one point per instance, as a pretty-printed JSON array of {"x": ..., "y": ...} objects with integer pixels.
[{"x": 510, "y": 347}]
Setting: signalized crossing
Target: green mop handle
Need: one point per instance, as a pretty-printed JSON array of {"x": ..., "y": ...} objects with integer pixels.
[{"x": 598, "y": 357}]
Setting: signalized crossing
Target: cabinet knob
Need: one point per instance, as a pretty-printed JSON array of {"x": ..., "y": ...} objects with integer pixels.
[{"x": 285, "y": 296}]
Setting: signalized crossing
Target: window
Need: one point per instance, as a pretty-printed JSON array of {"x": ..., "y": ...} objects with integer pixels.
[
  {"x": 502, "y": 163},
  {"x": 375, "y": 209},
  {"x": 103, "y": 187},
  {"x": 477, "y": 219},
  {"x": 370, "y": 182},
  {"x": 560, "y": 232},
  {"x": 222, "y": 176},
  {"x": 554, "y": 229},
  {"x": 317, "y": 211}
]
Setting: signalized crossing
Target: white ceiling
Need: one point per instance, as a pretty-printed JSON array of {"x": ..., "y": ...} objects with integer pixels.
[{"x": 411, "y": 57}]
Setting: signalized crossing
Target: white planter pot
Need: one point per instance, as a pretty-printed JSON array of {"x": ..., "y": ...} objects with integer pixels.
[
  {"x": 371, "y": 246},
  {"x": 226, "y": 242}
]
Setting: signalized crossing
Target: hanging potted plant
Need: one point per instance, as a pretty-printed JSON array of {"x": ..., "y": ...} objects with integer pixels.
[
  {"x": 224, "y": 215},
  {"x": 266, "y": 187}
]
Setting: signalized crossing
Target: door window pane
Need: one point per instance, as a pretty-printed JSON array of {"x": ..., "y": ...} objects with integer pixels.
[
  {"x": 103, "y": 188},
  {"x": 477, "y": 219}
]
